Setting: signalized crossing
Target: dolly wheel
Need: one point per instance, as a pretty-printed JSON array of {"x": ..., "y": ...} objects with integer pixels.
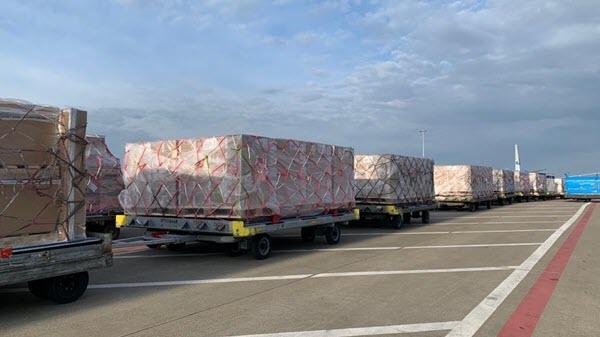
[
  {"x": 425, "y": 217},
  {"x": 176, "y": 247},
  {"x": 396, "y": 221},
  {"x": 39, "y": 288},
  {"x": 473, "y": 207},
  {"x": 234, "y": 249},
  {"x": 406, "y": 218},
  {"x": 308, "y": 234},
  {"x": 157, "y": 246},
  {"x": 67, "y": 288},
  {"x": 333, "y": 234},
  {"x": 488, "y": 204},
  {"x": 261, "y": 246}
]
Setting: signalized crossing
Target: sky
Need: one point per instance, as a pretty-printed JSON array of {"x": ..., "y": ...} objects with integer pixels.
[{"x": 479, "y": 75}]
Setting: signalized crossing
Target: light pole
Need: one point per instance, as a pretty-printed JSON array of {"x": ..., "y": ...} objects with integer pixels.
[{"x": 422, "y": 132}]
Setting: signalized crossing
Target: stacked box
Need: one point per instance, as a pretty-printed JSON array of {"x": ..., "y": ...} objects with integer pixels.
[
  {"x": 538, "y": 183},
  {"x": 463, "y": 183},
  {"x": 560, "y": 187},
  {"x": 105, "y": 178},
  {"x": 236, "y": 176},
  {"x": 393, "y": 179},
  {"x": 504, "y": 182},
  {"x": 522, "y": 183},
  {"x": 42, "y": 174}
]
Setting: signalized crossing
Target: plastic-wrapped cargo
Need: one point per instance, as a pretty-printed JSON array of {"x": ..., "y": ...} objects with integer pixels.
[
  {"x": 105, "y": 178},
  {"x": 560, "y": 187},
  {"x": 538, "y": 183},
  {"x": 551, "y": 188},
  {"x": 504, "y": 182},
  {"x": 522, "y": 183},
  {"x": 42, "y": 174},
  {"x": 393, "y": 179},
  {"x": 463, "y": 183},
  {"x": 236, "y": 176}
]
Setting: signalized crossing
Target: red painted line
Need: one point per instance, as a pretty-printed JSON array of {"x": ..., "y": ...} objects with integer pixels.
[{"x": 524, "y": 319}]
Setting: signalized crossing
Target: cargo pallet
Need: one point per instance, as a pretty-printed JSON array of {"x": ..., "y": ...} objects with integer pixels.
[
  {"x": 398, "y": 214},
  {"x": 240, "y": 236},
  {"x": 505, "y": 198},
  {"x": 55, "y": 271},
  {"x": 471, "y": 204},
  {"x": 522, "y": 197}
]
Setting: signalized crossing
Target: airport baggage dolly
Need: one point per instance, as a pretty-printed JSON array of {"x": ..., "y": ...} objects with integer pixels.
[{"x": 397, "y": 214}]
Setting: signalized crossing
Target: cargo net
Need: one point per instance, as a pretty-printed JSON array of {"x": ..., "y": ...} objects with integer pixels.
[
  {"x": 522, "y": 183},
  {"x": 41, "y": 182},
  {"x": 105, "y": 178},
  {"x": 504, "y": 181},
  {"x": 393, "y": 179},
  {"x": 238, "y": 176},
  {"x": 463, "y": 182},
  {"x": 538, "y": 182}
]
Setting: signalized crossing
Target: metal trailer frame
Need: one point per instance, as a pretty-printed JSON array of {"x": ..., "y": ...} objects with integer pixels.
[
  {"x": 582, "y": 197},
  {"x": 398, "y": 214},
  {"x": 103, "y": 223},
  {"x": 470, "y": 203},
  {"x": 56, "y": 271},
  {"x": 522, "y": 196},
  {"x": 505, "y": 198},
  {"x": 239, "y": 235}
]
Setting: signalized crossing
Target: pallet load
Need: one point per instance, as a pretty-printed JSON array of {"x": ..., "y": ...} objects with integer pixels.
[
  {"x": 42, "y": 202},
  {"x": 522, "y": 186},
  {"x": 560, "y": 187},
  {"x": 538, "y": 184},
  {"x": 504, "y": 182},
  {"x": 250, "y": 180},
  {"x": 395, "y": 187},
  {"x": 464, "y": 185},
  {"x": 103, "y": 187},
  {"x": 551, "y": 187}
]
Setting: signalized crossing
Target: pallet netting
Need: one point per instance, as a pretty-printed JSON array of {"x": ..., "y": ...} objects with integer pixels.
[
  {"x": 504, "y": 181},
  {"x": 522, "y": 183},
  {"x": 42, "y": 173},
  {"x": 538, "y": 182},
  {"x": 236, "y": 176},
  {"x": 105, "y": 178},
  {"x": 393, "y": 179},
  {"x": 463, "y": 182}
]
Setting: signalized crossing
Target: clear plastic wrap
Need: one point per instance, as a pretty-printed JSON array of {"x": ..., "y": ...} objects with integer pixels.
[
  {"x": 393, "y": 179},
  {"x": 42, "y": 174},
  {"x": 538, "y": 182},
  {"x": 463, "y": 183},
  {"x": 236, "y": 176},
  {"x": 504, "y": 181},
  {"x": 522, "y": 183},
  {"x": 105, "y": 178}
]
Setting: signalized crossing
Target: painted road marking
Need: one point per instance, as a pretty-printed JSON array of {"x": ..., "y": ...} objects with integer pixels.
[
  {"x": 366, "y": 331},
  {"x": 499, "y": 216},
  {"x": 348, "y": 249},
  {"x": 489, "y": 223},
  {"x": 413, "y": 271},
  {"x": 475, "y": 319},
  {"x": 524, "y": 319}
]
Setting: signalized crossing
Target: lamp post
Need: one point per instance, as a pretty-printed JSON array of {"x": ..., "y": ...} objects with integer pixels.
[{"x": 422, "y": 132}]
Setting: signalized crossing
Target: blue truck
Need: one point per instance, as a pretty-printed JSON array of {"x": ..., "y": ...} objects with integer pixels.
[{"x": 583, "y": 186}]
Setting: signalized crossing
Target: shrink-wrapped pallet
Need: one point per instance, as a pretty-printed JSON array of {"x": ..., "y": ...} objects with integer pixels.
[
  {"x": 560, "y": 187},
  {"x": 42, "y": 174},
  {"x": 393, "y": 179},
  {"x": 522, "y": 183},
  {"x": 105, "y": 178},
  {"x": 504, "y": 182},
  {"x": 236, "y": 176},
  {"x": 463, "y": 183},
  {"x": 538, "y": 183}
]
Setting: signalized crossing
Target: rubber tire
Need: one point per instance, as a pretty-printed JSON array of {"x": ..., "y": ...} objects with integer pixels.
[
  {"x": 111, "y": 228},
  {"x": 233, "y": 249},
  {"x": 176, "y": 247},
  {"x": 39, "y": 288},
  {"x": 261, "y": 246},
  {"x": 396, "y": 221},
  {"x": 67, "y": 288},
  {"x": 333, "y": 234},
  {"x": 473, "y": 207},
  {"x": 153, "y": 246},
  {"x": 406, "y": 218},
  {"x": 416, "y": 214},
  {"x": 308, "y": 234},
  {"x": 488, "y": 204},
  {"x": 510, "y": 201},
  {"x": 425, "y": 217}
]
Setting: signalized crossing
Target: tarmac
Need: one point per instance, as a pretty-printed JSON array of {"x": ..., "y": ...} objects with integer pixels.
[{"x": 464, "y": 274}]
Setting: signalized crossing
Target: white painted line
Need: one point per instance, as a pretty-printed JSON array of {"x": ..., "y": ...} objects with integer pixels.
[
  {"x": 204, "y": 281},
  {"x": 366, "y": 331},
  {"x": 119, "y": 256},
  {"x": 475, "y": 319},
  {"x": 489, "y": 223},
  {"x": 497, "y": 216},
  {"x": 506, "y": 231},
  {"x": 478, "y": 245},
  {"x": 413, "y": 271}
]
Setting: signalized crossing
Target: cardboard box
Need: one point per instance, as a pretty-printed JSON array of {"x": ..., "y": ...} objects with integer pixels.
[{"x": 463, "y": 183}]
